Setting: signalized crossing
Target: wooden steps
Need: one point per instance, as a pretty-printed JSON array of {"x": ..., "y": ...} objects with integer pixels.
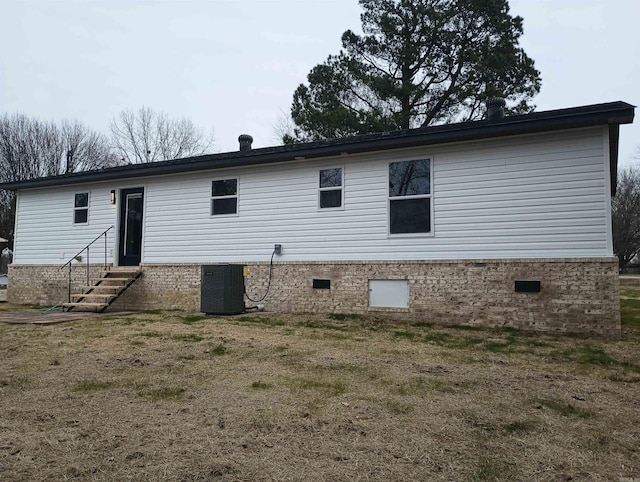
[{"x": 105, "y": 290}]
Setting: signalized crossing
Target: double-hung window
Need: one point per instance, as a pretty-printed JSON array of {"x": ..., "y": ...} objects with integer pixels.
[
  {"x": 224, "y": 197},
  {"x": 410, "y": 197},
  {"x": 330, "y": 188},
  {"x": 81, "y": 208}
]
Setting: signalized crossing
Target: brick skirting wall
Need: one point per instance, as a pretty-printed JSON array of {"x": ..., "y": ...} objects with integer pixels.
[{"x": 578, "y": 295}]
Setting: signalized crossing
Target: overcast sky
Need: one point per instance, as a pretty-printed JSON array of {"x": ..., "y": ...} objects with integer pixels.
[{"x": 232, "y": 65}]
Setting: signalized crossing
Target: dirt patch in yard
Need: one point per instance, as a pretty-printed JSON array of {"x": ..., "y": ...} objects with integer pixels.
[{"x": 183, "y": 397}]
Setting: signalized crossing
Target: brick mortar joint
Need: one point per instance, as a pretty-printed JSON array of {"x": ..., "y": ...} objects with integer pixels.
[{"x": 492, "y": 261}]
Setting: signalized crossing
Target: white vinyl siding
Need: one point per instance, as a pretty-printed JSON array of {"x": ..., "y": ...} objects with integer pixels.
[
  {"x": 535, "y": 196},
  {"x": 45, "y": 232}
]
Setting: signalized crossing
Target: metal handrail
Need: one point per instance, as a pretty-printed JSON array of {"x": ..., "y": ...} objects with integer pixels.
[{"x": 68, "y": 263}]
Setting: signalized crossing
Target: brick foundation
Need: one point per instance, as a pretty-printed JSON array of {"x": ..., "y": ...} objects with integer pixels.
[{"x": 577, "y": 295}]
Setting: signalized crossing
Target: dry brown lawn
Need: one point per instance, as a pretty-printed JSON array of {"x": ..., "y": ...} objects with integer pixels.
[{"x": 181, "y": 397}]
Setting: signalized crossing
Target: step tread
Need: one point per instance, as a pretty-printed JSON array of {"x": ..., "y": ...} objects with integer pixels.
[
  {"x": 93, "y": 295},
  {"x": 98, "y": 287},
  {"x": 110, "y": 279},
  {"x": 84, "y": 304}
]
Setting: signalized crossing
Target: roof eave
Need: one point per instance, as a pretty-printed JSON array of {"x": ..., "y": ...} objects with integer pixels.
[{"x": 618, "y": 113}]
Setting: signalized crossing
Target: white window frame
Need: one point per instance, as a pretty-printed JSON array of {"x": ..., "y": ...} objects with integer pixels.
[
  {"x": 332, "y": 188},
  {"x": 82, "y": 208},
  {"x": 429, "y": 196},
  {"x": 213, "y": 198}
]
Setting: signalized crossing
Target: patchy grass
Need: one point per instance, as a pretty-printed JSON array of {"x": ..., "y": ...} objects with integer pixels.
[
  {"x": 329, "y": 388},
  {"x": 339, "y": 397},
  {"x": 218, "y": 350},
  {"x": 630, "y": 292},
  {"x": 520, "y": 426},
  {"x": 261, "y": 385},
  {"x": 630, "y": 308},
  {"x": 263, "y": 320},
  {"x": 91, "y": 386},
  {"x": 592, "y": 355},
  {"x": 409, "y": 335},
  {"x": 189, "y": 320},
  {"x": 164, "y": 393},
  {"x": 190, "y": 337},
  {"x": 345, "y": 317},
  {"x": 566, "y": 409}
]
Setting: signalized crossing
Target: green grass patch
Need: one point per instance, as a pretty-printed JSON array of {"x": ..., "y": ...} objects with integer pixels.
[
  {"x": 407, "y": 335},
  {"x": 151, "y": 334},
  {"x": 322, "y": 325},
  {"x": 520, "y": 426},
  {"x": 630, "y": 293},
  {"x": 422, "y": 324},
  {"x": 260, "y": 385},
  {"x": 590, "y": 355},
  {"x": 499, "y": 346},
  {"x": 218, "y": 350},
  {"x": 18, "y": 381},
  {"x": 263, "y": 320},
  {"x": 624, "y": 378},
  {"x": 330, "y": 388},
  {"x": 192, "y": 337},
  {"x": 566, "y": 409},
  {"x": 193, "y": 319},
  {"x": 467, "y": 342},
  {"x": 466, "y": 327},
  {"x": 187, "y": 357},
  {"x": 164, "y": 393},
  {"x": 421, "y": 385},
  {"x": 491, "y": 470},
  {"x": 398, "y": 408},
  {"x": 438, "y": 338},
  {"x": 595, "y": 356},
  {"x": 91, "y": 386},
  {"x": 345, "y": 316},
  {"x": 630, "y": 312}
]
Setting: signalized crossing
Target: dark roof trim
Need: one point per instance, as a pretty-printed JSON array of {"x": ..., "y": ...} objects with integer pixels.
[
  {"x": 612, "y": 113},
  {"x": 614, "y": 137}
]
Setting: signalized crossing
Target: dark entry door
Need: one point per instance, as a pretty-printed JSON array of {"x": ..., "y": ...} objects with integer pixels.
[{"x": 131, "y": 207}]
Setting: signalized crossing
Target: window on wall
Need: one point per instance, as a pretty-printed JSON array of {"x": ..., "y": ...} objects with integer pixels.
[
  {"x": 224, "y": 197},
  {"x": 330, "y": 188},
  {"x": 410, "y": 197},
  {"x": 81, "y": 208}
]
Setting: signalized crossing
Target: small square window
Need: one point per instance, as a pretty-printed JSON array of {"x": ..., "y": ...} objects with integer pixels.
[
  {"x": 330, "y": 188},
  {"x": 81, "y": 208},
  {"x": 224, "y": 197}
]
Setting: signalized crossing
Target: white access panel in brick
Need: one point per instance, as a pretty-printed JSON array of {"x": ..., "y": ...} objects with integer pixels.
[{"x": 389, "y": 293}]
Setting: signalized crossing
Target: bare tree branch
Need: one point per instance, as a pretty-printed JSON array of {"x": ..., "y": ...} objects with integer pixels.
[{"x": 147, "y": 136}]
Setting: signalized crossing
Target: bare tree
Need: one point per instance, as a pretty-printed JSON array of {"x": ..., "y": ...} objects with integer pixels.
[
  {"x": 284, "y": 130},
  {"x": 84, "y": 149},
  {"x": 625, "y": 215},
  {"x": 148, "y": 136},
  {"x": 31, "y": 148}
]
